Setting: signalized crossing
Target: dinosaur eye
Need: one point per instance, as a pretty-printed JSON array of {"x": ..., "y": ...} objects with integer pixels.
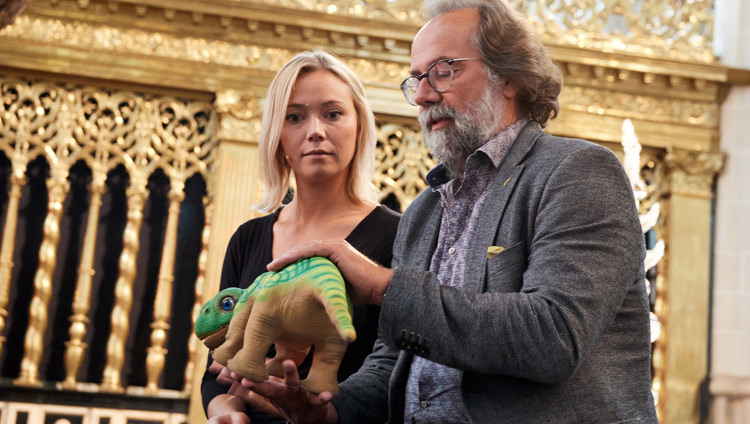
[{"x": 227, "y": 303}]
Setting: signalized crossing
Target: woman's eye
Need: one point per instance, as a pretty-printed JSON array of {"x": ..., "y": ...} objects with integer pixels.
[
  {"x": 294, "y": 117},
  {"x": 334, "y": 114}
]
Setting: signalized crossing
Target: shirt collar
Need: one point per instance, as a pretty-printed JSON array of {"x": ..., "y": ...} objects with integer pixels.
[
  {"x": 498, "y": 145},
  {"x": 495, "y": 149}
]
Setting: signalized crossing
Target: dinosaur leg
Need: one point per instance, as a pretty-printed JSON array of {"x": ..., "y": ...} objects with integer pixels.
[
  {"x": 260, "y": 333},
  {"x": 284, "y": 351},
  {"x": 226, "y": 351},
  {"x": 234, "y": 339},
  {"x": 325, "y": 365}
]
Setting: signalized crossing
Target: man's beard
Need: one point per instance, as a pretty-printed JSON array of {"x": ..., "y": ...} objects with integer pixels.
[{"x": 452, "y": 145}]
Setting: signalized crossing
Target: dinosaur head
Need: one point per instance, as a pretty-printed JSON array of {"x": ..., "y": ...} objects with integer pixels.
[{"x": 213, "y": 321}]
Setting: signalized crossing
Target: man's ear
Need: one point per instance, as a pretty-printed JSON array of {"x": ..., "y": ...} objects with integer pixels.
[{"x": 510, "y": 90}]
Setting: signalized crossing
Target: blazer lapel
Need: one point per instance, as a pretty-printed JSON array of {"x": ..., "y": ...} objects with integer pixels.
[{"x": 495, "y": 203}]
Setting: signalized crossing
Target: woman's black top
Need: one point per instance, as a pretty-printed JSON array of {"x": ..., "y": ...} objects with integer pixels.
[{"x": 248, "y": 253}]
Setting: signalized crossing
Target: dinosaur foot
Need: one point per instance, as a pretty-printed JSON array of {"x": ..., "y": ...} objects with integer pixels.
[
  {"x": 319, "y": 386},
  {"x": 255, "y": 374}
]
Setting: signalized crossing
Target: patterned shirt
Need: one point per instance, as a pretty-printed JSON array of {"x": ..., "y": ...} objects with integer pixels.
[{"x": 433, "y": 392}]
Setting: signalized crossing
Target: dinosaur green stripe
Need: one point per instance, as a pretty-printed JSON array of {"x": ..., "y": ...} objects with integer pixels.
[{"x": 318, "y": 273}]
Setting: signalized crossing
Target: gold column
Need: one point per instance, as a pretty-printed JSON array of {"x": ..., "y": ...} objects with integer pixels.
[
  {"x": 120, "y": 317},
  {"x": 236, "y": 186},
  {"x": 58, "y": 187},
  {"x": 193, "y": 342},
  {"x": 163, "y": 301},
  {"x": 659, "y": 347},
  {"x": 691, "y": 177},
  {"x": 75, "y": 347},
  {"x": 17, "y": 180}
]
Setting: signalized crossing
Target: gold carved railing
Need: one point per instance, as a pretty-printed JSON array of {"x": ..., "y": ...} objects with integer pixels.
[
  {"x": 161, "y": 90},
  {"x": 105, "y": 129}
]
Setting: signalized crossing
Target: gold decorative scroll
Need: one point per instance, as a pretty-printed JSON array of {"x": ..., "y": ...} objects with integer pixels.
[
  {"x": 645, "y": 105},
  {"x": 616, "y": 62},
  {"x": 400, "y": 10},
  {"x": 693, "y": 173},
  {"x": 153, "y": 44},
  {"x": 673, "y": 29},
  {"x": 402, "y": 162},
  {"x": 677, "y": 30},
  {"x": 240, "y": 115},
  {"x": 201, "y": 50},
  {"x": 656, "y": 28}
]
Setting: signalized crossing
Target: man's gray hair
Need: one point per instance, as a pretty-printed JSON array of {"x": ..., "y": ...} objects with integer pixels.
[
  {"x": 510, "y": 50},
  {"x": 434, "y": 8}
]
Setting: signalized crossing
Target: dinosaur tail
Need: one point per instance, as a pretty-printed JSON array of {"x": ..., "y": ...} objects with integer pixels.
[{"x": 337, "y": 303}]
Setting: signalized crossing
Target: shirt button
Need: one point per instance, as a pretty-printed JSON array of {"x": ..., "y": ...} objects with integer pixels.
[
  {"x": 452, "y": 250},
  {"x": 423, "y": 404}
]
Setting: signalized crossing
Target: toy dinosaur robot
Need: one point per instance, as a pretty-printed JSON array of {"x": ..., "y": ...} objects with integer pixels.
[{"x": 303, "y": 305}]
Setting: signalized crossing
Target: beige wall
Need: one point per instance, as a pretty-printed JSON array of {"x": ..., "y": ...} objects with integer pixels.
[{"x": 730, "y": 338}]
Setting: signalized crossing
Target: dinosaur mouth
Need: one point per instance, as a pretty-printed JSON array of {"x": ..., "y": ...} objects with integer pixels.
[{"x": 215, "y": 339}]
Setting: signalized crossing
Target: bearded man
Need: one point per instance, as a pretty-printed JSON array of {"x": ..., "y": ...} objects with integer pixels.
[{"x": 517, "y": 290}]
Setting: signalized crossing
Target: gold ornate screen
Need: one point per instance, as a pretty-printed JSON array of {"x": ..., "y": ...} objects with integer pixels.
[{"x": 129, "y": 129}]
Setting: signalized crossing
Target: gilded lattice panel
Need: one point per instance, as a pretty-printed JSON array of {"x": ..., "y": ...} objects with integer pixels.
[
  {"x": 402, "y": 162},
  {"x": 67, "y": 124}
]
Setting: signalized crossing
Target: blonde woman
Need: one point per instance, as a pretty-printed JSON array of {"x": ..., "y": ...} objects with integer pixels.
[{"x": 317, "y": 138}]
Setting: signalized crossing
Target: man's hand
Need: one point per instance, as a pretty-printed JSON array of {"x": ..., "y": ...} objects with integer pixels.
[
  {"x": 294, "y": 402},
  {"x": 366, "y": 280}
]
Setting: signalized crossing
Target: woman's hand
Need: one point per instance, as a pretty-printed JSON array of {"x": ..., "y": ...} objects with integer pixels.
[
  {"x": 227, "y": 409},
  {"x": 237, "y": 390},
  {"x": 235, "y": 417},
  {"x": 295, "y": 403},
  {"x": 366, "y": 280}
]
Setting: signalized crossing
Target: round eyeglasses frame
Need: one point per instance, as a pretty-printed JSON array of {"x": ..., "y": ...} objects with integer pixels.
[{"x": 410, "y": 85}]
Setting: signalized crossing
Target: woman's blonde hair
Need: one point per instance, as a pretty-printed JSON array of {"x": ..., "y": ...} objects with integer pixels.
[{"x": 274, "y": 170}]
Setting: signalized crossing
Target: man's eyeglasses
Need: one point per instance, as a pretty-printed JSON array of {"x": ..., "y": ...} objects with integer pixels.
[{"x": 439, "y": 75}]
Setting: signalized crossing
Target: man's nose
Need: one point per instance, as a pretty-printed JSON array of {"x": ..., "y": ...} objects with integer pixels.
[{"x": 426, "y": 95}]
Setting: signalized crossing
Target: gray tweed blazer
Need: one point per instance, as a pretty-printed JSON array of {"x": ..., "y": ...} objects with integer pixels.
[{"x": 552, "y": 329}]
